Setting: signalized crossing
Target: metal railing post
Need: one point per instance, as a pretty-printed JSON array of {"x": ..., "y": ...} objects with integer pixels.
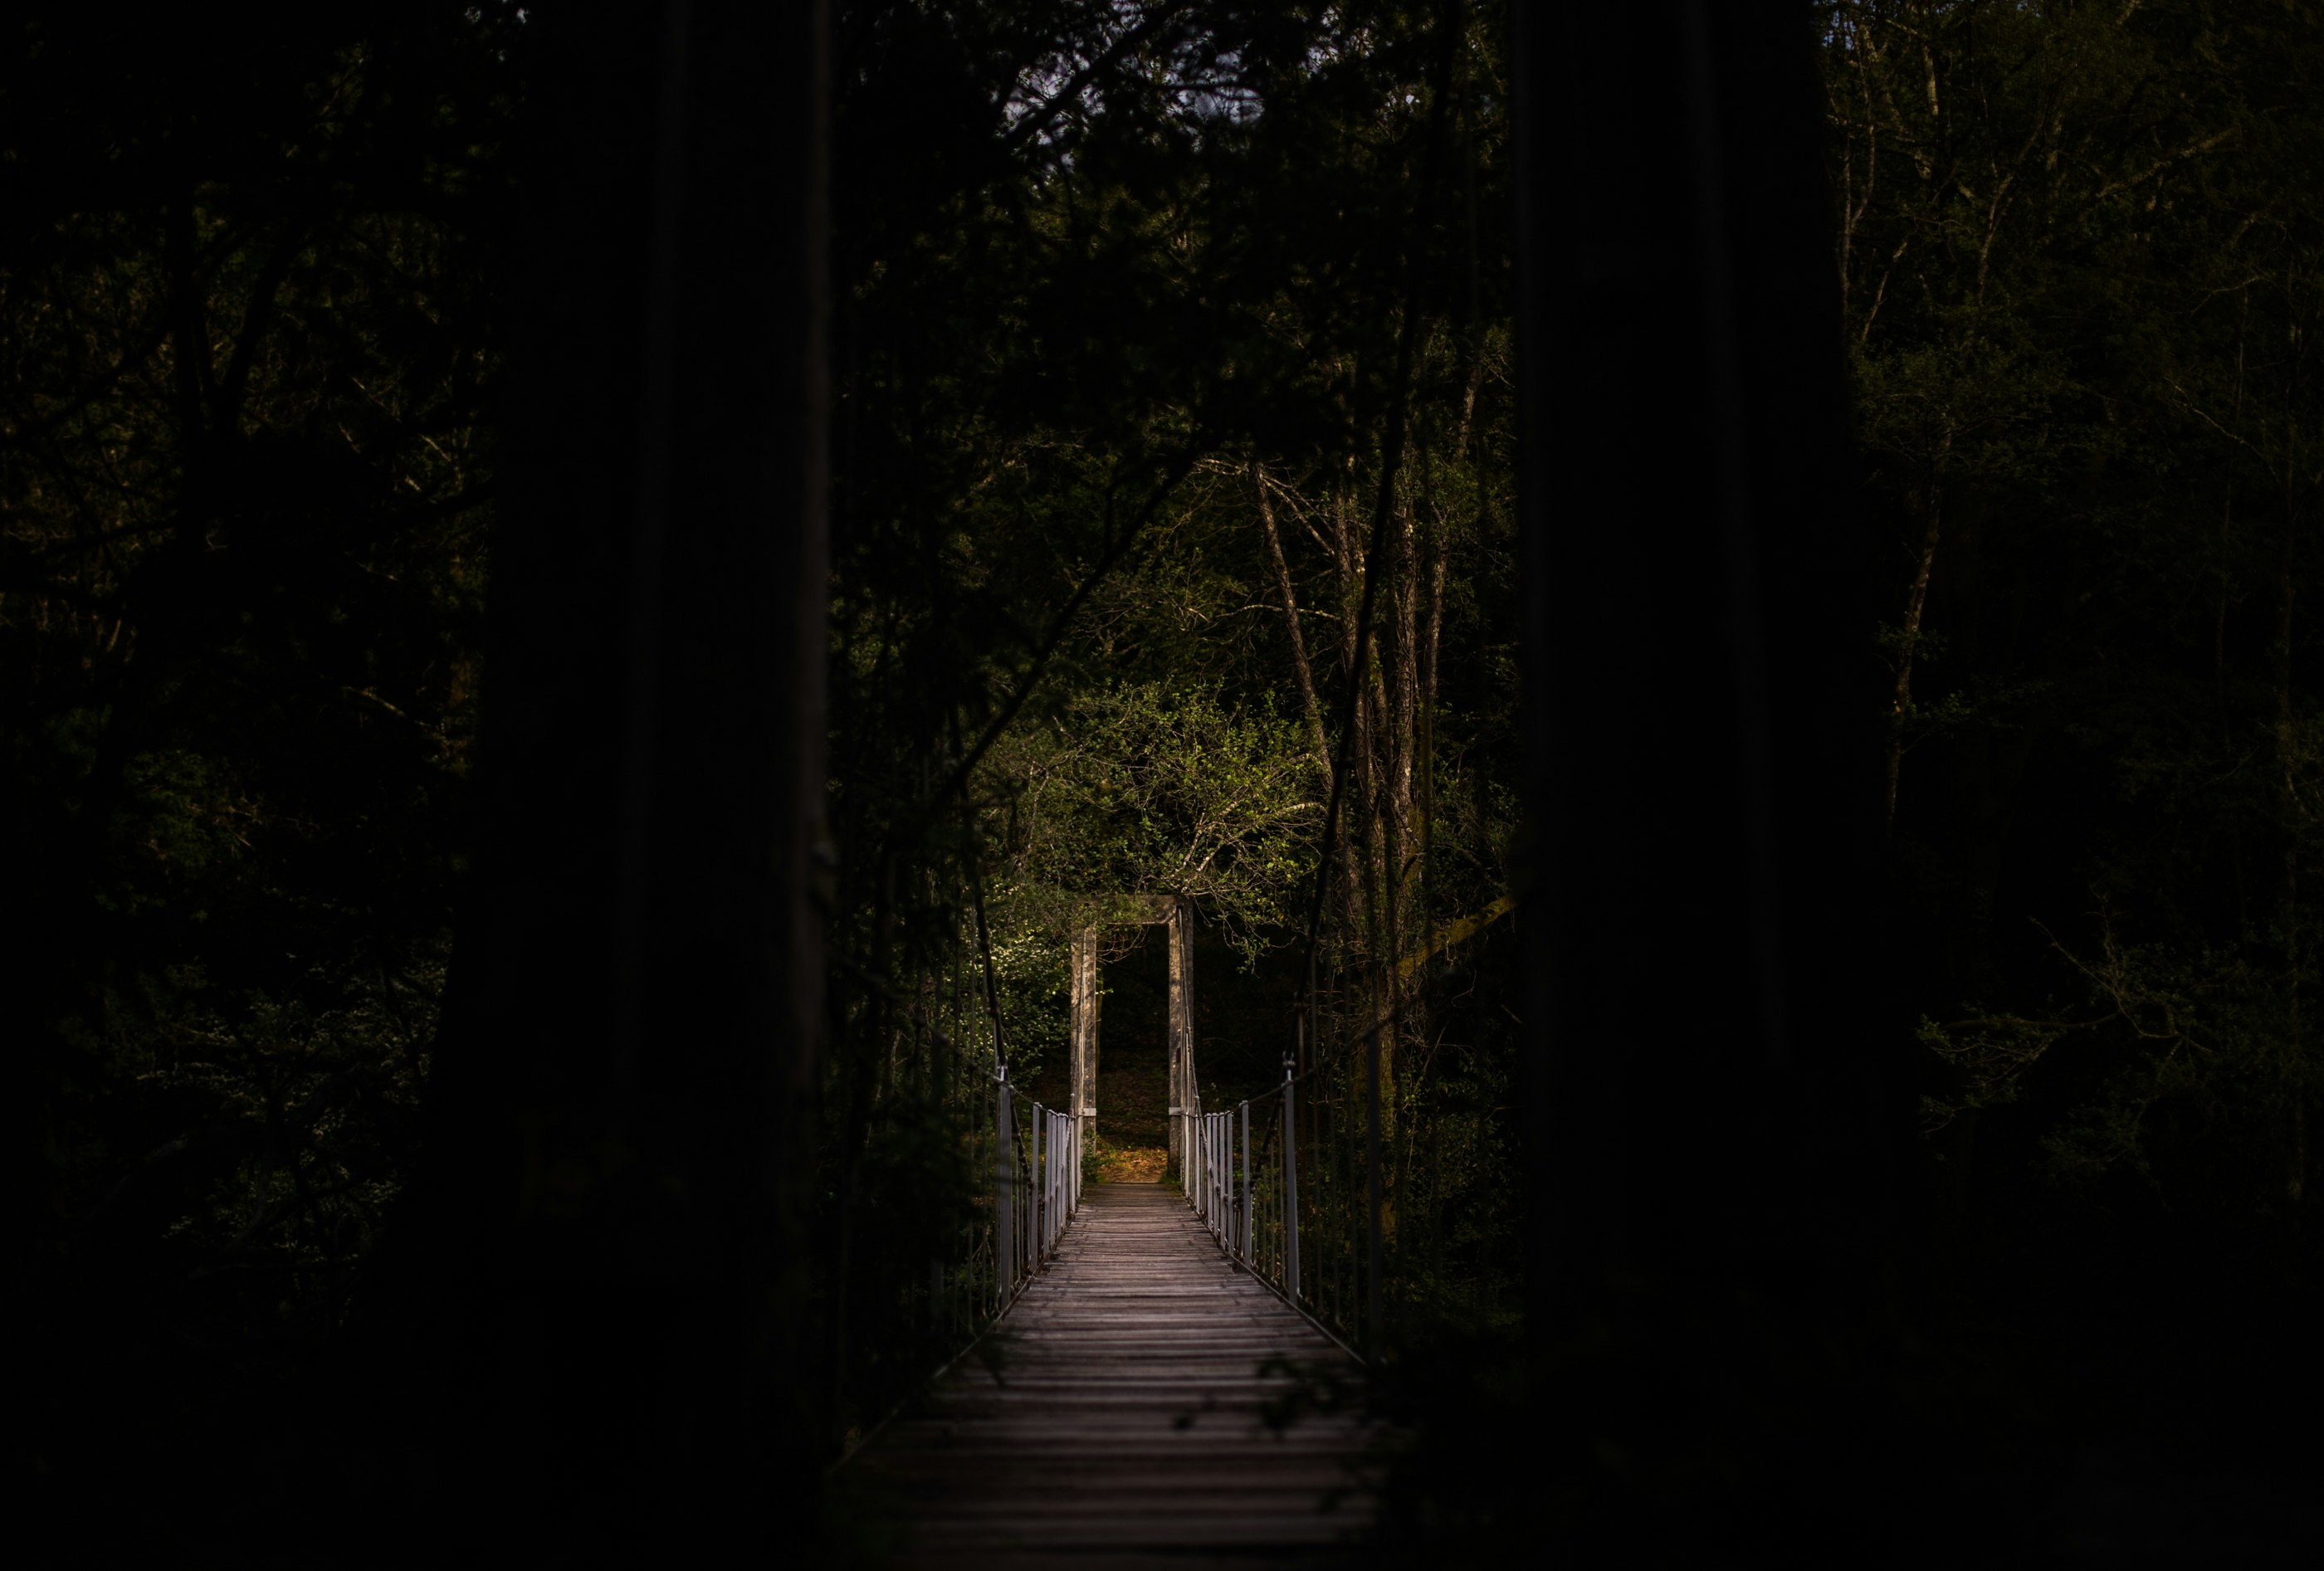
[
  {"x": 1372, "y": 1267},
  {"x": 1226, "y": 1180},
  {"x": 1290, "y": 1191},
  {"x": 1211, "y": 1169},
  {"x": 1185, "y": 1163},
  {"x": 1188, "y": 1128},
  {"x": 1203, "y": 1172},
  {"x": 1004, "y": 1217},
  {"x": 1243, "y": 1194}
]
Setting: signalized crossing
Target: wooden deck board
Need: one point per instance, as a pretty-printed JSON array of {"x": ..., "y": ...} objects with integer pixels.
[{"x": 1122, "y": 1414}]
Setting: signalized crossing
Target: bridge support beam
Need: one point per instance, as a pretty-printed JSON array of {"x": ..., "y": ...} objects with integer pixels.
[
  {"x": 1083, "y": 1073},
  {"x": 1185, "y": 1095},
  {"x": 1176, "y": 914}
]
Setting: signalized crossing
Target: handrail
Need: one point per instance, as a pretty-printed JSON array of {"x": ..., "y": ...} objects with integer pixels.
[
  {"x": 1036, "y": 1188},
  {"x": 1250, "y": 1202}
]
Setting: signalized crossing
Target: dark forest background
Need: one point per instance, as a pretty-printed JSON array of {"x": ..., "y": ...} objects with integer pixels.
[{"x": 1140, "y": 319}]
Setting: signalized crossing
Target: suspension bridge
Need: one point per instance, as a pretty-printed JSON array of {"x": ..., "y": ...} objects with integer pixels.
[{"x": 1150, "y": 1386}]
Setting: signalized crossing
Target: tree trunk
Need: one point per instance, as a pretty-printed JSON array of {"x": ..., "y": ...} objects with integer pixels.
[
  {"x": 596, "y": 1275},
  {"x": 1350, "y": 561},
  {"x": 1312, "y": 706},
  {"x": 1900, "y": 700},
  {"x": 1679, "y": 319}
]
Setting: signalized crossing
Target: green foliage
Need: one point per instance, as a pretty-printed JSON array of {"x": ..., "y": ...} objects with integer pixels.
[
  {"x": 2081, "y": 255},
  {"x": 2204, "y": 1093},
  {"x": 248, "y": 340},
  {"x": 296, "y": 1118},
  {"x": 1987, "y": 1058},
  {"x": 1137, "y": 790}
]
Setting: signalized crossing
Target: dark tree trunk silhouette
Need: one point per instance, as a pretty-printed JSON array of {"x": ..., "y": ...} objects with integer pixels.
[
  {"x": 1704, "y": 740},
  {"x": 600, "y": 1266}
]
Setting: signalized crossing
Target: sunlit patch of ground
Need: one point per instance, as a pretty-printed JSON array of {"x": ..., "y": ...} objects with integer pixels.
[
  {"x": 1130, "y": 1164},
  {"x": 1133, "y": 1123}
]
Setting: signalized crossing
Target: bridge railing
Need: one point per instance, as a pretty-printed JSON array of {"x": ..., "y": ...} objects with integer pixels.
[
  {"x": 1036, "y": 1186},
  {"x": 1241, "y": 1174}
]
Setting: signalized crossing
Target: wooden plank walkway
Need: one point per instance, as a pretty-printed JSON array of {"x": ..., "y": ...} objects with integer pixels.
[{"x": 1118, "y": 1417}]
